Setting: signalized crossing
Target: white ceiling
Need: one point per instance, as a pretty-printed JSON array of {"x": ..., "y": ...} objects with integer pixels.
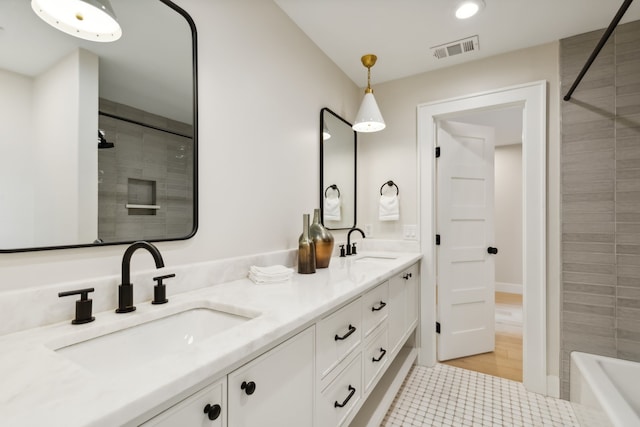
[{"x": 400, "y": 32}]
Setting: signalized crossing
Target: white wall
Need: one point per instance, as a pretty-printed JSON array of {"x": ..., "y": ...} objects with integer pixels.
[
  {"x": 508, "y": 217},
  {"x": 65, "y": 162},
  {"x": 262, "y": 84},
  {"x": 16, "y": 201},
  {"x": 391, "y": 154}
]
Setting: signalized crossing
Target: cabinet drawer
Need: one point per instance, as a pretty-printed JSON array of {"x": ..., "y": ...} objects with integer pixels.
[
  {"x": 337, "y": 335},
  {"x": 375, "y": 357},
  {"x": 336, "y": 403},
  {"x": 375, "y": 307},
  {"x": 191, "y": 411}
]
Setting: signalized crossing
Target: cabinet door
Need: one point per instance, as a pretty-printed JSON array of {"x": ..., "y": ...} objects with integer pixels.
[
  {"x": 206, "y": 408},
  {"x": 412, "y": 296},
  {"x": 396, "y": 312},
  {"x": 275, "y": 389},
  {"x": 403, "y": 305}
]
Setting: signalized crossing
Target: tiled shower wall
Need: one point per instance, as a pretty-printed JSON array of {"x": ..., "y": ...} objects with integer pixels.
[
  {"x": 149, "y": 155},
  {"x": 601, "y": 198}
]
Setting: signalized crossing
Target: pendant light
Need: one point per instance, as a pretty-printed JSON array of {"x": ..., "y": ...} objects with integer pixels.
[
  {"x": 369, "y": 118},
  {"x": 86, "y": 19},
  {"x": 325, "y": 132}
]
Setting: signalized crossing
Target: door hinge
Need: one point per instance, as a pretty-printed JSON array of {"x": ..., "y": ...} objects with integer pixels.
[
  {"x": 437, "y": 327},
  {"x": 437, "y": 239},
  {"x": 437, "y": 152}
]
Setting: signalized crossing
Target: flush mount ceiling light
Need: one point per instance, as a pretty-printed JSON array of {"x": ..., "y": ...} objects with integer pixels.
[
  {"x": 467, "y": 8},
  {"x": 87, "y": 19},
  {"x": 369, "y": 118}
]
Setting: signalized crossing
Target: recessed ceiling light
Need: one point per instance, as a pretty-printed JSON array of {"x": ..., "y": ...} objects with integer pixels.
[{"x": 468, "y": 8}]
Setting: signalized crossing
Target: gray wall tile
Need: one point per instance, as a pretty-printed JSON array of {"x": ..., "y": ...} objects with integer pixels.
[{"x": 600, "y": 187}]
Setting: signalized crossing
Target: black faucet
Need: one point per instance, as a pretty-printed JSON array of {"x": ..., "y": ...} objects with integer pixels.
[
  {"x": 351, "y": 249},
  {"x": 125, "y": 290}
]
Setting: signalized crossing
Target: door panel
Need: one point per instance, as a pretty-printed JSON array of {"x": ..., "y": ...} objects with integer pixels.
[{"x": 465, "y": 272}]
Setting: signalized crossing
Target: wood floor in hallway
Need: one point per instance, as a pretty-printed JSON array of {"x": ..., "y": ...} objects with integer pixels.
[{"x": 506, "y": 360}]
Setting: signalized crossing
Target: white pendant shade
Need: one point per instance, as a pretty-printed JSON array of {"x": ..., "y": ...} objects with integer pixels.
[
  {"x": 369, "y": 118},
  {"x": 325, "y": 132},
  {"x": 87, "y": 19}
]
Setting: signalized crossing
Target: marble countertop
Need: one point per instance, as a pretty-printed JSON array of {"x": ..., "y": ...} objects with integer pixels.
[{"x": 42, "y": 387}]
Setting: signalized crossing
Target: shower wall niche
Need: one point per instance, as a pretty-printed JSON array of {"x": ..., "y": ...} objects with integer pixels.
[{"x": 145, "y": 182}]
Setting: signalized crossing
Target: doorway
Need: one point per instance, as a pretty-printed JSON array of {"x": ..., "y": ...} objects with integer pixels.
[
  {"x": 501, "y": 355},
  {"x": 532, "y": 99}
]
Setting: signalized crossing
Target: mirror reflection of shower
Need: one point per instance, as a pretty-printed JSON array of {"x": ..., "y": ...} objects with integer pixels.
[{"x": 102, "y": 140}]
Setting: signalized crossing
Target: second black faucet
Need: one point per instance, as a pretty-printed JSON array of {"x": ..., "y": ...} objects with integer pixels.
[{"x": 351, "y": 248}]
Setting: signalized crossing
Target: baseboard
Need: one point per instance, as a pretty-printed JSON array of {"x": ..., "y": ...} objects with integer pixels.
[
  {"x": 553, "y": 386},
  {"x": 510, "y": 288}
]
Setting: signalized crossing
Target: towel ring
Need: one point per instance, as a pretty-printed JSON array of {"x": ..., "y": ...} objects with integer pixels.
[
  {"x": 390, "y": 184},
  {"x": 332, "y": 187}
]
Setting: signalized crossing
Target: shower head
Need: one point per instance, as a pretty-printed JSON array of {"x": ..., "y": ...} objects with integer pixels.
[{"x": 102, "y": 141}]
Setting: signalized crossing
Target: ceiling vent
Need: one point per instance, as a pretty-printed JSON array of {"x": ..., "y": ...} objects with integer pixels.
[{"x": 470, "y": 44}]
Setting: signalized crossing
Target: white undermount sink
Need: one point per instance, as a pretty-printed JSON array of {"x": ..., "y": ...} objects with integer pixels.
[
  {"x": 372, "y": 258},
  {"x": 137, "y": 345}
]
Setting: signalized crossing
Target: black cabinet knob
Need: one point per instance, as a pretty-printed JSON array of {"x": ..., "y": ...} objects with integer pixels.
[
  {"x": 492, "y": 250},
  {"x": 407, "y": 276},
  {"x": 248, "y": 387},
  {"x": 212, "y": 411}
]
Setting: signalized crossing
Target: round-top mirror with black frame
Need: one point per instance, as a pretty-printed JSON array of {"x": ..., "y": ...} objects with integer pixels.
[
  {"x": 98, "y": 140},
  {"x": 338, "y": 164}
]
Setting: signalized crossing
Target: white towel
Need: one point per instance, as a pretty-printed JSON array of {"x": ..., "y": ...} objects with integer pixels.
[
  {"x": 271, "y": 274},
  {"x": 389, "y": 208},
  {"x": 331, "y": 208}
]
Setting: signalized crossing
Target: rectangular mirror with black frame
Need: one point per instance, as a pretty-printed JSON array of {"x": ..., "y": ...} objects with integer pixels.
[
  {"x": 98, "y": 140},
  {"x": 338, "y": 163}
]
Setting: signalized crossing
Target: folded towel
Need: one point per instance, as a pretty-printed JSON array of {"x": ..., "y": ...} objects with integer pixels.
[
  {"x": 331, "y": 208},
  {"x": 271, "y": 274},
  {"x": 389, "y": 207}
]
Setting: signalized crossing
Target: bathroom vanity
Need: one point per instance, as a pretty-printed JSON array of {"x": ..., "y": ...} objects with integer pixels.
[{"x": 326, "y": 349}]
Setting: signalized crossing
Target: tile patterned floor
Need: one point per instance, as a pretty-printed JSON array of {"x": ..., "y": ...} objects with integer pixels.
[{"x": 449, "y": 396}]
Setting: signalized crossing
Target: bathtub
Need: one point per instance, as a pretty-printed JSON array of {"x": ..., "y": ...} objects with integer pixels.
[{"x": 605, "y": 391}]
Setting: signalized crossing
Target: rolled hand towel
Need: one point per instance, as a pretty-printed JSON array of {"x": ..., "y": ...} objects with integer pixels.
[
  {"x": 389, "y": 208},
  {"x": 331, "y": 208}
]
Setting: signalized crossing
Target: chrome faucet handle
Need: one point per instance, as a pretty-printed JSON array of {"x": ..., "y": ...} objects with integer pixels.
[{"x": 160, "y": 289}]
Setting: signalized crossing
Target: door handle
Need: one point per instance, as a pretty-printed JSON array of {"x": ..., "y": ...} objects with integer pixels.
[{"x": 492, "y": 250}]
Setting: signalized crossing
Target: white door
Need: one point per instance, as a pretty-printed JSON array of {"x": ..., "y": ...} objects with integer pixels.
[{"x": 464, "y": 221}]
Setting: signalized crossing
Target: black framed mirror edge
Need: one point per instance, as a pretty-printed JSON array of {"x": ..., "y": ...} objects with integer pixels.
[
  {"x": 355, "y": 169},
  {"x": 194, "y": 55}
]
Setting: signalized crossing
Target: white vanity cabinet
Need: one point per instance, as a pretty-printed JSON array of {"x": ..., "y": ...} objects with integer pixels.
[
  {"x": 275, "y": 389},
  {"x": 206, "y": 408},
  {"x": 320, "y": 377}
]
